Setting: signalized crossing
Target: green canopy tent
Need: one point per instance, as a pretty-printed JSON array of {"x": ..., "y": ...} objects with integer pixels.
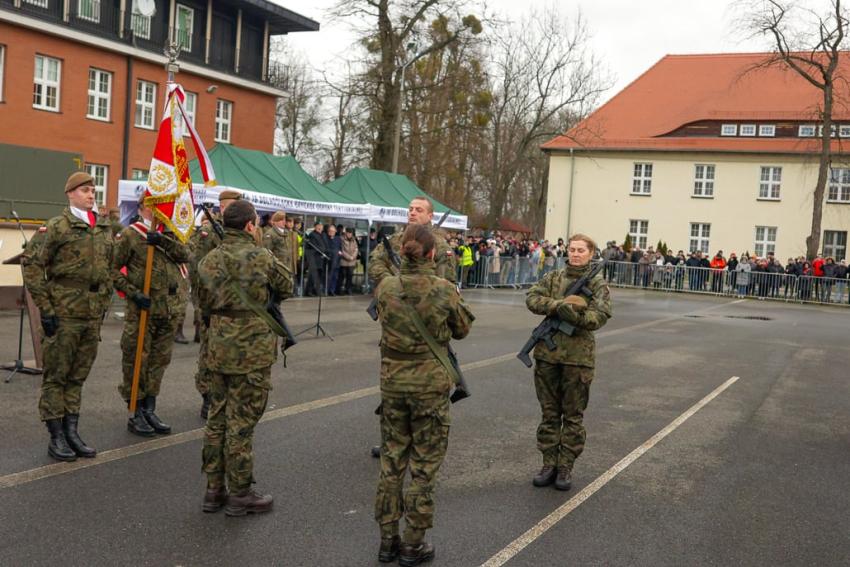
[{"x": 389, "y": 194}]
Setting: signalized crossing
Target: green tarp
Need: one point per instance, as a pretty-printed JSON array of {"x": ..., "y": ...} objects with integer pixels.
[
  {"x": 381, "y": 189},
  {"x": 258, "y": 171}
]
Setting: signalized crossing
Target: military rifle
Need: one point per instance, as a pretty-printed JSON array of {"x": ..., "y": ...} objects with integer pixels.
[{"x": 546, "y": 330}]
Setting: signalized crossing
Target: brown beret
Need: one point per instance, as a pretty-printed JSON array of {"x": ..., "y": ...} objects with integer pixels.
[
  {"x": 278, "y": 216},
  {"x": 77, "y": 179},
  {"x": 229, "y": 194}
]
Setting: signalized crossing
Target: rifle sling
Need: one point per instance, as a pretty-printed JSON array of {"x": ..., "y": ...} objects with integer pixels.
[
  {"x": 440, "y": 353},
  {"x": 258, "y": 310}
]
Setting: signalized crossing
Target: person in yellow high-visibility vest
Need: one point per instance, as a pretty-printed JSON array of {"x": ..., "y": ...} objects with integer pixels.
[{"x": 464, "y": 251}]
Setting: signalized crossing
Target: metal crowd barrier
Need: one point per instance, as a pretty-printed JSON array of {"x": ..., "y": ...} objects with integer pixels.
[{"x": 520, "y": 272}]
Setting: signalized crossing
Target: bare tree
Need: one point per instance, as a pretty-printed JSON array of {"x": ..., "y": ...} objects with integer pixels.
[
  {"x": 297, "y": 115},
  {"x": 343, "y": 149},
  {"x": 810, "y": 44},
  {"x": 541, "y": 70}
]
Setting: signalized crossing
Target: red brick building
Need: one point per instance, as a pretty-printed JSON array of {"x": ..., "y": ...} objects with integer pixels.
[{"x": 88, "y": 76}]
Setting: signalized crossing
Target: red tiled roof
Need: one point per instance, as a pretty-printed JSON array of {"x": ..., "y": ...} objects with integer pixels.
[
  {"x": 513, "y": 226},
  {"x": 682, "y": 89}
]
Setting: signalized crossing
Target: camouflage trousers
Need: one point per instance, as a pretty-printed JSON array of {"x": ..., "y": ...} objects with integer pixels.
[
  {"x": 237, "y": 402},
  {"x": 563, "y": 393},
  {"x": 68, "y": 358},
  {"x": 415, "y": 435},
  {"x": 202, "y": 374},
  {"x": 156, "y": 356}
]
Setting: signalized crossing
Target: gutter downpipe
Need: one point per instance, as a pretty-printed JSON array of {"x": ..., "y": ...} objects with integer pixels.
[
  {"x": 570, "y": 198},
  {"x": 127, "y": 109}
]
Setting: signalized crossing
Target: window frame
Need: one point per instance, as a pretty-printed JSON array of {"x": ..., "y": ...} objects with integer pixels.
[
  {"x": 770, "y": 183},
  {"x": 98, "y": 95},
  {"x": 221, "y": 123},
  {"x": 643, "y": 180},
  {"x": 844, "y": 131},
  {"x": 703, "y": 236},
  {"x": 764, "y": 245},
  {"x": 137, "y": 174},
  {"x": 639, "y": 239},
  {"x": 142, "y": 105},
  {"x": 94, "y": 17},
  {"x": 46, "y": 83},
  {"x": 802, "y": 130},
  {"x": 192, "y": 113},
  {"x": 831, "y": 248},
  {"x": 37, "y": 3},
  {"x": 748, "y": 127},
  {"x": 178, "y": 29},
  {"x": 99, "y": 190},
  {"x": 704, "y": 183},
  {"x": 764, "y": 128},
  {"x": 841, "y": 188},
  {"x": 732, "y": 127}
]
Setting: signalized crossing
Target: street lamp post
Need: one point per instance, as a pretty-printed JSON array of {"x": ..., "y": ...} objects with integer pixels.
[{"x": 402, "y": 68}]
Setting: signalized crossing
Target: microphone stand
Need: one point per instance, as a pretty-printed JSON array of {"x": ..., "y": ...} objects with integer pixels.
[
  {"x": 325, "y": 259},
  {"x": 19, "y": 365}
]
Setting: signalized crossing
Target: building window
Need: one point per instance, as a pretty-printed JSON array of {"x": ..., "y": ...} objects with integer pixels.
[
  {"x": 700, "y": 232},
  {"x": 765, "y": 241},
  {"x": 638, "y": 230},
  {"x": 642, "y": 180},
  {"x": 99, "y": 173},
  {"x": 189, "y": 106},
  {"x": 2, "y": 68},
  {"x": 835, "y": 244},
  {"x": 833, "y": 128},
  {"x": 39, "y": 3},
  {"x": 223, "y": 120},
  {"x": 748, "y": 129},
  {"x": 844, "y": 131},
  {"x": 139, "y": 175},
  {"x": 839, "y": 185},
  {"x": 145, "y": 104},
  {"x": 100, "y": 91},
  {"x": 806, "y": 131},
  {"x": 703, "y": 180},
  {"x": 89, "y": 10},
  {"x": 767, "y": 130},
  {"x": 185, "y": 23},
  {"x": 729, "y": 130},
  {"x": 139, "y": 23},
  {"x": 48, "y": 72},
  {"x": 771, "y": 179}
]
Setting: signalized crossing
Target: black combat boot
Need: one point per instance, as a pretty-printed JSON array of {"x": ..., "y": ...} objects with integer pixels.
[
  {"x": 389, "y": 549},
  {"x": 248, "y": 502},
  {"x": 545, "y": 477},
  {"x": 205, "y": 407},
  {"x": 58, "y": 447},
  {"x": 180, "y": 338},
  {"x": 148, "y": 406},
  {"x": 412, "y": 555},
  {"x": 565, "y": 478},
  {"x": 197, "y": 337},
  {"x": 138, "y": 425},
  {"x": 69, "y": 427},
  {"x": 376, "y": 451},
  {"x": 214, "y": 499}
]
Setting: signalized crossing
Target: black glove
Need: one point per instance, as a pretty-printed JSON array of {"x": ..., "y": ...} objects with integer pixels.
[
  {"x": 141, "y": 300},
  {"x": 50, "y": 324},
  {"x": 154, "y": 238}
]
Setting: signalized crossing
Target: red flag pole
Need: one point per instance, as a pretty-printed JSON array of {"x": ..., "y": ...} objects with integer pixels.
[{"x": 172, "y": 52}]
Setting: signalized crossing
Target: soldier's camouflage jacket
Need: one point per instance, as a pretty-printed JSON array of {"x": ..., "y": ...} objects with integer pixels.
[
  {"x": 203, "y": 240},
  {"x": 545, "y": 298},
  {"x": 444, "y": 314},
  {"x": 239, "y": 342},
  {"x": 69, "y": 273},
  {"x": 278, "y": 243},
  {"x": 380, "y": 265},
  {"x": 131, "y": 250}
]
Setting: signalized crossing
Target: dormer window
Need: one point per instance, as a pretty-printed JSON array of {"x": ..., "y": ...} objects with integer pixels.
[
  {"x": 768, "y": 130},
  {"x": 806, "y": 131},
  {"x": 729, "y": 130},
  {"x": 748, "y": 129}
]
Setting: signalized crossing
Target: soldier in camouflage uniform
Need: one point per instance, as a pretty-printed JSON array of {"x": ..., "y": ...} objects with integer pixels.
[
  {"x": 242, "y": 348},
  {"x": 202, "y": 242},
  {"x": 415, "y": 390},
  {"x": 420, "y": 211},
  {"x": 165, "y": 305},
  {"x": 69, "y": 278},
  {"x": 277, "y": 241},
  {"x": 562, "y": 376}
]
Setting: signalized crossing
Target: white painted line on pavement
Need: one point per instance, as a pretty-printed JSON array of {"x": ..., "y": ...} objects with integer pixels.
[{"x": 562, "y": 511}]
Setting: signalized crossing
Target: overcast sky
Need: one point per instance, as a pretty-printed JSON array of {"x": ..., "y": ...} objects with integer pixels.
[{"x": 628, "y": 35}]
